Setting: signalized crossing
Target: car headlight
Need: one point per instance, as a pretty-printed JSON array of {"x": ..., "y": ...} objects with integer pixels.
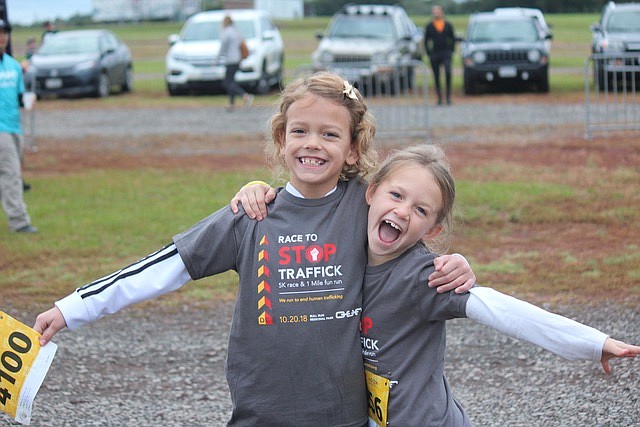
[
  {"x": 533, "y": 55},
  {"x": 612, "y": 45},
  {"x": 479, "y": 57},
  {"x": 325, "y": 57},
  {"x": 86, "y": 65},
  {"x": 384, "y": 58}
]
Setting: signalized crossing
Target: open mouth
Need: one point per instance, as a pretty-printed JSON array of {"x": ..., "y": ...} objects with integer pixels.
[
  {"x": 388, "y": 232},
  {"x": 311, "y": 161}
]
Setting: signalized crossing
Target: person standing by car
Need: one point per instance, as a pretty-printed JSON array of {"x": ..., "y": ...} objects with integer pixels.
[
  {"x": 440, "y": 42},
  {"x": 11, "y": 186},
  {"x": 49, "y": 29},
  {"x": 230, "y": 55}
]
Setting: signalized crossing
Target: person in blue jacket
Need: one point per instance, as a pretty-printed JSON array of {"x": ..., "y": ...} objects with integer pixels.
[{"x": 11, "y": 141}]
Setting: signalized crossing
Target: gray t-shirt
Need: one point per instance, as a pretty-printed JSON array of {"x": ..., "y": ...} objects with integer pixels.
[
  {"x": 294, "y": 348},
  {"x": 404, "y": 343}
]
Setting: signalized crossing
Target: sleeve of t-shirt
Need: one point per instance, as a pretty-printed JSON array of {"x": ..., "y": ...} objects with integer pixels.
[
  {"x": 157, "y": 274},
  {"x": 565, "y": 337},
  {"x": 436, "y": 306},
  {"x": 211, "y": 246}
]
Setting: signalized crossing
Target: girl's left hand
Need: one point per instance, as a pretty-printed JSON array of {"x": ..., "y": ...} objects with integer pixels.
[
  {"x": 254, "y": 196},
  {"x": 614, "y": 349},
  {"x": 452, "y": 272}
]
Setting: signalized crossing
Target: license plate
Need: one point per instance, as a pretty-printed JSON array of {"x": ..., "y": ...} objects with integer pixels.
[
  {"x": 506, "y": 72},
  {"x": 211, "y": 74},
  {"x": 53, "y": 83}
]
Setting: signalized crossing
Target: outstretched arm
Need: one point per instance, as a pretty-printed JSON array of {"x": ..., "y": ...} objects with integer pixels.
[
  {"x": 558, "y": 334},
  {"x": 254, "y": 196},
  {"x": 452, "y": 272},
  {"x": 157, "y": 274},
  {"x": 614, "y": 349}
]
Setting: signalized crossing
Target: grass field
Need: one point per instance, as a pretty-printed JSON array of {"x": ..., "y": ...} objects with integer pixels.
[{"x": 553, "y": 219}]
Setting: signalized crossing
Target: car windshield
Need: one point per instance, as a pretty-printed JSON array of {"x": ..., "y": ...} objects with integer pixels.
[
  {"x": 503, "y": 31},
  {"x": 359, "y": 26},
  {"x": 624, "y": 22},
  {"x": 63, "y": 45},
  {"x": 201, "y": 31}
]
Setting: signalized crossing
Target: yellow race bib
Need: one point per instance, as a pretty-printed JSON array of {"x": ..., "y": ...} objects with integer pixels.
[
  {"x": 23, "y": 366},
  {"x": 378, "y": 397}
]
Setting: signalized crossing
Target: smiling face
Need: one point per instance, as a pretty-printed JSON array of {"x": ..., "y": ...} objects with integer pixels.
[
  {"x": 403, "y": 209},
  {"x": 316, "y": 144}
]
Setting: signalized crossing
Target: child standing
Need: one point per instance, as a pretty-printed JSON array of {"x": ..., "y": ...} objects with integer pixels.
[
  {"x": 294, "y": 356},
  {"x": 403, "y": 321}
]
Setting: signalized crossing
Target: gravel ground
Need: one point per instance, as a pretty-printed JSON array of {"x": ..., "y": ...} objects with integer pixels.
[
  {"x": 213, "y": 121},
  {"x": 112, "y": 373}
]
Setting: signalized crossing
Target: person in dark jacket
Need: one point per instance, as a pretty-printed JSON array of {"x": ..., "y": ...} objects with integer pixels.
[{"x": 440, "y": 41}]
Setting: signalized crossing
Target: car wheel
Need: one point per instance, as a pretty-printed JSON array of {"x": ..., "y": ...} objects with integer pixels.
[
  {"x": 543, "y": 83},
  {"x": 103, "y": 88},
  {"x": 279, "y": 80},
  {"x": 598, "y": 75},
  {"x": 406, "y": 79},
  {"x": 262, "y": 84},
  {"x": 174, "y": 91},
  {"x": 127, "y": 85},
  {"x": 469, "y": 87}
]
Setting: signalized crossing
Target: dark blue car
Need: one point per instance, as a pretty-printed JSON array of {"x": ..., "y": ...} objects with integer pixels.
[{"x": 80, "y": 63}]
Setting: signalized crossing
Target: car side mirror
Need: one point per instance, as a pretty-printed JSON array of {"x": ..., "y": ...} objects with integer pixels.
[
  {"x": 319, "y": 35},
  {"x": 172, "y": 39},
  {"x": 595, "y": 28},
  {"x": 548, "y": 36}
]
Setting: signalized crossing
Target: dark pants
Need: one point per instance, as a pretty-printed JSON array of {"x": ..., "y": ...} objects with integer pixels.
[
  {"x": 230, "y": 84},
  {"x": 437, "y": 60}
]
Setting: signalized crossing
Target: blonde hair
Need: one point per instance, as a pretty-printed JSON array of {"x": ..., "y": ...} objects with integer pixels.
[
  {"x": 433, "y": 158},
  {"x": 329, "y": 86}
]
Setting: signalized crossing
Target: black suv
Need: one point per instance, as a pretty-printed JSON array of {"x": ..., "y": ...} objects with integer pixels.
[
  {"x": 615, "y": 43},
  {"x": 505, "y": 48},
  {"x": 371, "y": 45}
]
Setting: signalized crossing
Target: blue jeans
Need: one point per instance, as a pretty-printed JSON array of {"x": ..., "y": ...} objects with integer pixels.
[{"x": 230, "y": 85}]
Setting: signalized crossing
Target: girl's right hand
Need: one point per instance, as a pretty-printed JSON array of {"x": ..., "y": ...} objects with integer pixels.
[
  {"x": 254, "y": 196},
  {"x": 48, "y": 323}
]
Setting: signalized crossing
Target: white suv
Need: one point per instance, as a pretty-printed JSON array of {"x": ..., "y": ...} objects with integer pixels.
[{"x": 191, "y": 62}]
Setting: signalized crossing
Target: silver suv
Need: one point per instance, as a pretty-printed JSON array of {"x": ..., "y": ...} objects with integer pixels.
[
  {"x": 371, "y": 45},
  {"x": 616, "y": 41}
]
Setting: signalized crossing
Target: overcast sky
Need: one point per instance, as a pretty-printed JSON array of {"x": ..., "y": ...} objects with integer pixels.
[{"x": 27, "y": 11}]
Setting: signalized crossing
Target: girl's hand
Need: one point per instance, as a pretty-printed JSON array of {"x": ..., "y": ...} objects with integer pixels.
[
  {"x": 452, "y": 272},
  {"x": 254, "y": 196},
  {"x": 614, "y": 349},
  {"x": 48, "y": 323}
]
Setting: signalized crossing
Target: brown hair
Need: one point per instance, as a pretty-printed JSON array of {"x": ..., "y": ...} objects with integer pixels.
[
  {"x": 330, "y": 86},
  {"x": 433, "y": 158}
]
